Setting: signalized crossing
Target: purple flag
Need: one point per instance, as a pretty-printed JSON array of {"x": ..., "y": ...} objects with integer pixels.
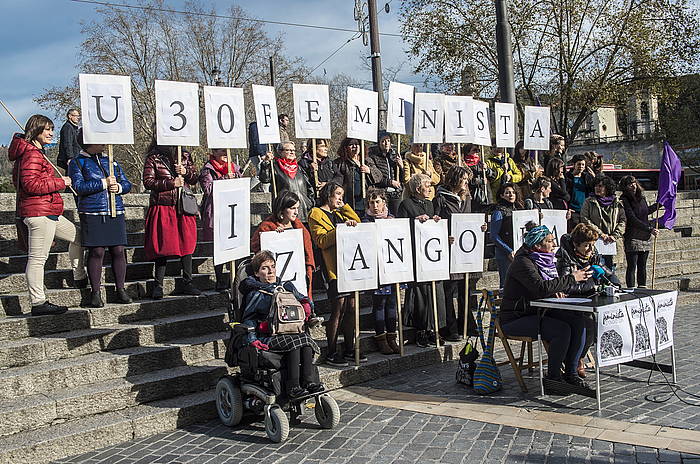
[{"x": 669, "y": 175}]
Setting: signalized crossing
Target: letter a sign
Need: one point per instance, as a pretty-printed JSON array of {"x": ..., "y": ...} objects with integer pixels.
[
  {"x": 356, "y": 257},
  {"x": 106, "y": 106},
  {"x": 312, "y": 114},
  {"x": 231, "y": 219},
  {"x": 363, "y": 114},
  {"x": 536, "y": 135}
]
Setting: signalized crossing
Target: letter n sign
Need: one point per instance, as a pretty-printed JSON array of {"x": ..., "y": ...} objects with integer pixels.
[
  {"x": 107, "y": 109},
  {"x": 231, "y": 219}
]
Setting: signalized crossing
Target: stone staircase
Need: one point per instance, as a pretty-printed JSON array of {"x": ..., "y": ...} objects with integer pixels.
[{"x": 94, "y": 377}]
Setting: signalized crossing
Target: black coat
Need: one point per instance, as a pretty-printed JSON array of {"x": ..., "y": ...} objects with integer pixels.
[
  {"x": 301, "y": 185},
  {"x": 525, "y": 284},
  {"x": 568, "y": 261},
  {"x": 447, "y": 203},
  {"x": 347, "y": 173},
  {"x": 637, "y": 215},
  {"x": 68, "y": 147},
  {"x": 588, "y": 180},
  {"x": 385, "y": 165},
  {"x": 560, "y": 194}
]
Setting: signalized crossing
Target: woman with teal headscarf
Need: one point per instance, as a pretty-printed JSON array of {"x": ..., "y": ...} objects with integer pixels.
[{"x": 532, "y": 276}]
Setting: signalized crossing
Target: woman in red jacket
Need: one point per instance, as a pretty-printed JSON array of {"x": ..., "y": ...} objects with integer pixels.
[
  {"x": 39, "y": 205},
  {"x": 168, "y": 232},
  {"x": 285, "y": 215}
]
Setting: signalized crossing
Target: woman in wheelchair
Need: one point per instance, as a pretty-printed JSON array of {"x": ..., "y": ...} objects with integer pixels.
[
  {"x": 258, "y": 292},
  {"x": 532, "y": 276}
]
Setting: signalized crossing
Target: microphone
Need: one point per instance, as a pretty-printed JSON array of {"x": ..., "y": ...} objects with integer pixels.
[{"x": 599, "y": 275}]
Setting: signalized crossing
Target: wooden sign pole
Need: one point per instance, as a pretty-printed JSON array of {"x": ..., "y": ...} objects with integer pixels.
[
  {"x": 357, "y": 328},
  {"x": 272, "y": 171},
  {"x": 362, "y": 163},
  {"x": 179, "y": 161},
  {"x": 112, "y": 195},
  {"x": 459, "y": 154},
  {"x": 399, "y": 316},
  {"x": 313, "y": 154},
  {"x": 466, "y": 303},
  {"x": 435, "y": 314},
  {"x": 427, "y": 150}
]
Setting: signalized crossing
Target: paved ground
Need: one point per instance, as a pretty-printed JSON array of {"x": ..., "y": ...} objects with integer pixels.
[{"x": 375, "y": 434}]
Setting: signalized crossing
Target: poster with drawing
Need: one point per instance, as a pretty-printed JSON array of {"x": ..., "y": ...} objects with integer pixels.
[
  {"x": 641, "y": 313},
  {"x": 614, "y": 343},
  {"x": 665, "y": 305}
]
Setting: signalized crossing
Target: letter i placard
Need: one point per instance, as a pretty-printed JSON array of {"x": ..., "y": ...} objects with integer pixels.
[{"x": 105, "y": 101}]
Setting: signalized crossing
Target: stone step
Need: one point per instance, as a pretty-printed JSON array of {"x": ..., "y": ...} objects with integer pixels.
[
  {"x": 37, "y": 411},
  {"x": 16, "y": 328},
  {"x": 94, "y": 432},
  {"x": 63, "y": 345},
  {"x": 19, "y": 304},
  {"x": 106, "y": 365}
]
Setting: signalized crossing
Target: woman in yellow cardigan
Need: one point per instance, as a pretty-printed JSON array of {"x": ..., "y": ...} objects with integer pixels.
[
  {"x": 416, "y": 165},
  {"x": 322, "y": 222}
]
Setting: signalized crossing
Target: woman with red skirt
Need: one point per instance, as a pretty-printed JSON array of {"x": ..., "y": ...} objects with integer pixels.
[{"x": 169, "y": 233}]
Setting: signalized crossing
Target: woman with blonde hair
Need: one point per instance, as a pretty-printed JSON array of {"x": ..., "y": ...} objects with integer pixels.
[{"x": 415, "y": 163}]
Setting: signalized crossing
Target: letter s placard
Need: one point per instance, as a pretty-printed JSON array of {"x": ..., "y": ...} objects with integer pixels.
[
  {"x": 225, "y": 117},
  {"x": 177, "y": 113},
  {"x": 106, "y": 106}
]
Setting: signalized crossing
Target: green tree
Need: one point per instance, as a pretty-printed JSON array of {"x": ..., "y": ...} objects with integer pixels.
[{"x": 572, "y": 55}]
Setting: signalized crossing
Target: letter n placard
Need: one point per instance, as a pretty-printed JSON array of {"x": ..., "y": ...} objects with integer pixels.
[
  {"x": 106, "y": 106},
  {"x": 231, "y": 219},
  {"x": 432, "y": 251},
  {"x": 395, "y": 251},
  {"x": 312, "y": 114},
  {"x": 356, "y": 257}
]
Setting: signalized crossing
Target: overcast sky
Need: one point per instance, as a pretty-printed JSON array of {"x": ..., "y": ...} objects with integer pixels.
[{"x": 41, "y": 40}]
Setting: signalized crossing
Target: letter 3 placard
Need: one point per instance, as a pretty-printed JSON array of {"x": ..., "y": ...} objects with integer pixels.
[
  {"x": 225, "y": 117},
  {"x": 231, "y": 219},
  {"x": 356, "y": 257},
  {"x": 288, "y": 247},
  {"x": 177, "y": 113},
  {"x": 432, "y": 251},
  {"x": 106, "y": 106}
]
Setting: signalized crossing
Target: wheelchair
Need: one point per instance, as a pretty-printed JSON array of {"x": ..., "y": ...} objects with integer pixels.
[{"x": 258, "y": 389}]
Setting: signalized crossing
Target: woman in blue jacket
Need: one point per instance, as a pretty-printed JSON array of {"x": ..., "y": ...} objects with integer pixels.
[{"x": 89, "y": 173}]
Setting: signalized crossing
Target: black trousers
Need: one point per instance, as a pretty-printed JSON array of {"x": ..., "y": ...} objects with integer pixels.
[
  {"x": 300, "y": 363},
  {"x": 636, "y": 264}
]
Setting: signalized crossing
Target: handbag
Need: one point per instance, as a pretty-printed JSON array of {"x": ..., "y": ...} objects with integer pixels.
[
  {"x": 487, "y": 377},
  {"x": 186, "y": 203},
  {"x": 466, "y": 366}
]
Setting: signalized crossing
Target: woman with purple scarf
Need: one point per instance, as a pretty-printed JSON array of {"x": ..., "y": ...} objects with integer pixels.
[
  {"x": 606, "y": 213},
  {"x": 532, "y": 276}
]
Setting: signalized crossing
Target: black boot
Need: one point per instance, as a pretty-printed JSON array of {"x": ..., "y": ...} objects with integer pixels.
[
  {"x": 96, "y": 300},
  {"x": 123, "y": 297}
]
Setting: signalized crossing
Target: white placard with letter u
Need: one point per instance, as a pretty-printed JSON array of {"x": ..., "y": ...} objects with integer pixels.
[
  {"x": 395, "y": 250},
  {"x": 356, "y": 257},
  {"x": 225, "y": 117},
  {"x": 265, "y": 104},
  {"x": 177, "y": 113},
  {"x": 400, "y": 108},
  {"x": 362, "y": 114},
  {"x": 432, "y": 250},
  {"x": 231, "y": 219},
  {"x": 536, "y": 136},
  {"x": 312, "y": 114},
  {"x": 288, "y": 247},
  {"x": 467, "y": 252},
  {"x": 106, "y": 106}
]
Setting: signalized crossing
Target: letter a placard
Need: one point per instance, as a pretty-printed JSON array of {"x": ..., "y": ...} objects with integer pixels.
[
  {"x": 399, "y": 118},
  {"x": 536, "y": 135},
  {"x": 467, "y": 252},
  {"x": 395, "y": 251},
  {"x": 177, "y": 113},
  {"x": 432, "y": 251},
  {"x": 225, "y": 117},
  {"x": 288, "y": 247},
  {"x": 428, "y": 118},
  {"x": 312, "y": 114},
  {"x": 105, "y": 101},
  {"x": 265, "y": 104},
  {"x": 363, "y": 114},
  {"x": 231, "y": 219},
  {"x": 356, "y": 257}
]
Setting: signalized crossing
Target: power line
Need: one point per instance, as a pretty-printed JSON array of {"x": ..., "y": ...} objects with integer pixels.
[
  {"x": 355, "y": 36},
  {"x": 215, "y": 15}
]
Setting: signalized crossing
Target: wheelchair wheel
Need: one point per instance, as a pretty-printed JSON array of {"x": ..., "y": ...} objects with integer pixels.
[
  {"x": 229, "y": 402},
  {"x": 327, "y": 411},
  {"x": 276, "y": 425}
]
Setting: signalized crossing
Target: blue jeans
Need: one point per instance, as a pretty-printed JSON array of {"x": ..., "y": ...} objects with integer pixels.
[{"x": 503, "y": 261}]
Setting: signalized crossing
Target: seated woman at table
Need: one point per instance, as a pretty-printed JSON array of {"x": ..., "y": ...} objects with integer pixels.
[
  {"x": 577, "y": 251},
  {"x": 532, "y": 276}
]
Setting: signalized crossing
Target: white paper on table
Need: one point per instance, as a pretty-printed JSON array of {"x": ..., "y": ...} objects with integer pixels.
[
  {"x": 606, "y": 249},
  {"x": 567, "y": 300},
  {"x": 614, "y": 344},
  {"x": 288, "y": 247},
  {"x": 665, "y": 306}
]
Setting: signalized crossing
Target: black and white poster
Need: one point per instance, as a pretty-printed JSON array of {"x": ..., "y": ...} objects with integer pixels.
[
  {"x": 615, "y": 340},
  {"x": 665, "y": 305}
]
